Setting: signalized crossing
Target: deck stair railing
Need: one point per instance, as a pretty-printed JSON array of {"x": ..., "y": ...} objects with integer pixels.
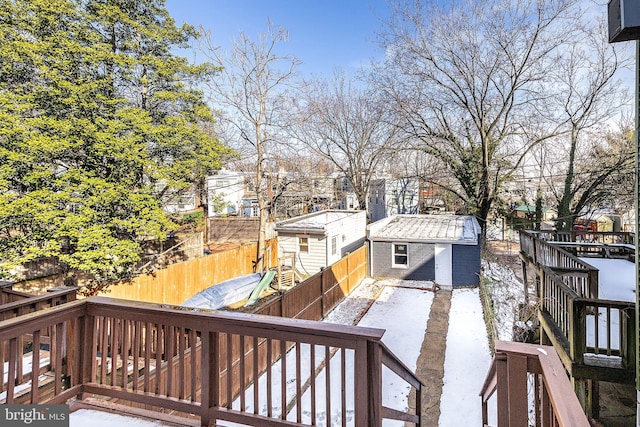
[
  {"x": 515, "y": 366},
  {"x": 247, "y": 369},
  {"x": 586, "y": 330},
  {"x": 22, "y": 303}
]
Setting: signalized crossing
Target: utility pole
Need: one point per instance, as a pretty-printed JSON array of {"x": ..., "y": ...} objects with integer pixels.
[{"x": 624, "y": 25}]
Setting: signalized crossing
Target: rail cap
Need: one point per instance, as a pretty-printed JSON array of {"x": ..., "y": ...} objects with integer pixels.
[{"x": 251, "y": 320}]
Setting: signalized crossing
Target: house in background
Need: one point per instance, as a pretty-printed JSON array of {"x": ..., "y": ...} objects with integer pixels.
[
  {"x": 402, "y": 196},
  {"x": 226, "y": 192},
  {"x": 441, "y": 248},
  {"x": 529, "y": 212},
  {"x": 321, "y": 238},
  {"x": 174, "y": 201}
]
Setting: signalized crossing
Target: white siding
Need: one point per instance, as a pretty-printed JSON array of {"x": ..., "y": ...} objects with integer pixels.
[
  {"x": 350, "y": 232},
  {"x": 229, "y": 187},
  {"x": 348, "y": 228},
  {"x": 306, "y": 263}
]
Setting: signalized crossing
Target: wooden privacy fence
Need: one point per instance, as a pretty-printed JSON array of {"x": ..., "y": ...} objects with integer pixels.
[
  {"x": 314, "y": 298},
  {"x": 554, "y": 403},
  {"x": 208, "y": 365},
  {"x": 178, "y": 282}
]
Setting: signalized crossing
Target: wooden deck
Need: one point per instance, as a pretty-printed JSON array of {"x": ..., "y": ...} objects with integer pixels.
[
  {"x": 553, "y": 404},
  {"x": 199, "y": 363},
  {"x": 594, "y": 337},
  {"x": 200, "y": 367}
]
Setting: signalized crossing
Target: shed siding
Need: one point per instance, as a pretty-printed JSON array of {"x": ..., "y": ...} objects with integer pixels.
[
  {"x": 354, "y": 230},
  {"x": 306, "y": 263},
  {"x": 421, "y": 262},
  {"x": 466, "y": 265}
]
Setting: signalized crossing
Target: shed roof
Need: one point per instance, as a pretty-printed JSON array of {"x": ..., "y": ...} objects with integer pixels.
[
  {"x": 531, "y": 208},
  {"x": 316, "y": 221},
  {"x": 458, "y": 229}
]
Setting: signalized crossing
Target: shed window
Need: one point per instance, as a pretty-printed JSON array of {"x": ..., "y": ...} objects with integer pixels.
[
  {"x": 334, "y": 245},
  {"x": 303, "y": 245},
  {"x": 400, "y": 255}
]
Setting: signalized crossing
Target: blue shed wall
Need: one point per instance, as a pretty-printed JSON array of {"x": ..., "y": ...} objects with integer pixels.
[
  {"x": 466, "y": 264},
  {"x": 421, "y": 262}
]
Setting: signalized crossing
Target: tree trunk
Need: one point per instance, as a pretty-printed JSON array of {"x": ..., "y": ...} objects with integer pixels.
[{"x": 565, "y": 217}]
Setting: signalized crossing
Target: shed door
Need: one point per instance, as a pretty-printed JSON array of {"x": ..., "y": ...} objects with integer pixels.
[{"x": 443, "y": 264}]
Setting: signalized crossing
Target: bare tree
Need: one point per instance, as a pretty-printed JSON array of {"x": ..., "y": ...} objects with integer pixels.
[
  {"x": 588, "y": 97},
  {"x": 467, "y": 78},
  {"x": 251, "y": 92},
  {"x": 601, "y": 170},
  {"x": 348, "y": 125}
]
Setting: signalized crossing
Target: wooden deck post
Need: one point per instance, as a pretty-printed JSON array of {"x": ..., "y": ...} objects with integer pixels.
[
  {"x": 373, "y": 388},
  {"x": 577, "y": 331},
  {"x": 209, "y": 389},
  {"x": 628, "y": 324}
]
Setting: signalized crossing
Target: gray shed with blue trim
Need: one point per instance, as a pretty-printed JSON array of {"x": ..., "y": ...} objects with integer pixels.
[{"x": 444, "y": 249}]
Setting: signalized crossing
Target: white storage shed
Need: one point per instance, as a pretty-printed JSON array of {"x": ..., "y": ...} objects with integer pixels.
[{"x": 321, "y": 238}]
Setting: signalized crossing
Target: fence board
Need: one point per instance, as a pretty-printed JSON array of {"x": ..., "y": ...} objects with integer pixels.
[{"x": 178, "y": 282}]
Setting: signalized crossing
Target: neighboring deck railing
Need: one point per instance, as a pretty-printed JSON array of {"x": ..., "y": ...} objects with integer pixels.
[
  {"x": 594, "y": 337},
  {"x": 214, "y": 365},
  {"x": 587, "y": 332},
  {"x": 604, "y": 237},
  {"x": 578, "y": 275},
  {"x": 23, "y": 303},
  {"x": 515, "y": 366}
]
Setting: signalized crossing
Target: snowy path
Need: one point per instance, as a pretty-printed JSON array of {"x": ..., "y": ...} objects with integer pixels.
[{"x": 467, "y": 360}]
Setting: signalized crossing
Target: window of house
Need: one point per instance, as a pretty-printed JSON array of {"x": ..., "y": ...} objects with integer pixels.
[
  {"x": 303, "y": 245},
  {"x": 334, "y": 245},
  {"x": 400, "y": 255}
]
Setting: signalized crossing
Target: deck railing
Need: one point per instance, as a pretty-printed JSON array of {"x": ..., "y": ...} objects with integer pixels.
[
  {"x": 21, "y": 303},
  {"x": 620, "y": 237},
  {"x": 587, "y": 329},
  {"x": 247, "y": 369},
  {"x": 577, "y": 274},
  {"x": 515, "y": 366}
]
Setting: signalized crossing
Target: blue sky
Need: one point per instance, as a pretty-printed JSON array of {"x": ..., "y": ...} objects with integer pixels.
[{"x": 323, "y": 34}]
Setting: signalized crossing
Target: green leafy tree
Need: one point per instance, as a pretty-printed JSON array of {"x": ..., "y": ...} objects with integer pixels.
[{"x": 98, "y": 118}]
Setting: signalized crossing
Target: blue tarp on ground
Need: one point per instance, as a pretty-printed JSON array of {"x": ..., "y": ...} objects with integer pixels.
[{"x": 224, "y": 293}]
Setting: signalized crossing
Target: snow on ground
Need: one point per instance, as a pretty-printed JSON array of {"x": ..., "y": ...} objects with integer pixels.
[
  {"x": 467, "y": 361},
  {"x": 90, "y": 417},
  {"x": 507, "y": 292},
  {"x": 395, "y": 310}
]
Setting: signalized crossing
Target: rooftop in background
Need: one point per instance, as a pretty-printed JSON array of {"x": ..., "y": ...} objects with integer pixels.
[
  {"x": 315, "y": 221},
  {"x": 459, "y": 229},
  {"x": 531, "y": 208}
]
